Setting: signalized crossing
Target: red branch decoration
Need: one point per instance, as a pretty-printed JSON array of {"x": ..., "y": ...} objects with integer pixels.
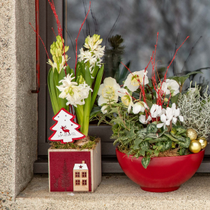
[
  {"x": 159, "y": 92},
  {"x": 79, "y": 34},
  {"x": 41, "y": 40},
  {"x": 174, "y": 57},
  {"x": 52, "y": 5}
]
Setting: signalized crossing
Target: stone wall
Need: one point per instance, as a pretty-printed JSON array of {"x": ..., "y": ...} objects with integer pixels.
[{"x": 18, "y": 106}]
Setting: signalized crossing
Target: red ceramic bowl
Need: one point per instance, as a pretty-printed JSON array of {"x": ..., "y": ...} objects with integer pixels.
[{"x": 163, "y": 174}]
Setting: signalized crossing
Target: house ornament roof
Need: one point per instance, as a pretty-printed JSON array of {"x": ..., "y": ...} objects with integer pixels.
[{"x": 80, "y": 166}]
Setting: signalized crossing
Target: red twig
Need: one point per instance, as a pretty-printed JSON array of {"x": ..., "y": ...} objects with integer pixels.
[
  {"x": 53, "y": 31},
  {"x": 126, "y": 67},
  {"x": 41, "y": 40},
  {"x": 174, "y": 57},
  {"x": 52, "y": 5},
  {"x": 148, "y": 64},
  {"x": 159, "y": 91},
  {"x": 153, "y": 66},
  {"x": 79, "y": 34}
]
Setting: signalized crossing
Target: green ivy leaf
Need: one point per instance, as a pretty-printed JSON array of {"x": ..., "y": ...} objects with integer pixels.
[
  {"x": 181, "y": 130},
  {"x": 156, "y": 153},
  {"x": 182, "y": 151},
  {"x": 185, "y": 144},
  {"x": 141, "y": 153},
  {"x": 137, "y": 141},
  {"x": 152, "y": 128},
  {"x": 144, "y": 146},
  {"x": 168, "y": 144},
  {"x": 142, "y": 133},
  {"x": 145, "y": 161}
]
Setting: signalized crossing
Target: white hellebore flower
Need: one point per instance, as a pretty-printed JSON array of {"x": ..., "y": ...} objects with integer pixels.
[
  {"x": 139, "y": 107},
  {"x": 74, "y": 93},
  {"x": 170, "y": 86},
  {"x": 108, "y": 91},
  {"x": 136, "y": 78},
  {"x": 103, "y": 109},
  {"x": 126, "y": 98}
]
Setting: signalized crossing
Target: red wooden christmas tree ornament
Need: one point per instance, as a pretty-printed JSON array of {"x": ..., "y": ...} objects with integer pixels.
[{"x": 65, "y": 129}]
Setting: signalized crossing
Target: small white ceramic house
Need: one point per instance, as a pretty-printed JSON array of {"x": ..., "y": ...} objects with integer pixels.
[{"x": 80, "y": 177}]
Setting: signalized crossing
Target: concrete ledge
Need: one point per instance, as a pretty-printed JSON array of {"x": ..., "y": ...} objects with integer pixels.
[{"x": 117, "y": 192}]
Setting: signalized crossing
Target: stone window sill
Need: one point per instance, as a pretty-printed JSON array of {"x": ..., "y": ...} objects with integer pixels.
[{"x": 116, "y": 192}]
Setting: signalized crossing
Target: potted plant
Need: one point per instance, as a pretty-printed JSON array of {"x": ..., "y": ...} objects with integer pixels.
[
  {"x": 74, "y": 159},
  {"x": 74, "y": 89},
  {"x": 157, "y": 149}
]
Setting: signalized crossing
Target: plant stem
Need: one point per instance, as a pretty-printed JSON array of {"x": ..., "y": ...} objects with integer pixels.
[{"x": 122, "y": 119}]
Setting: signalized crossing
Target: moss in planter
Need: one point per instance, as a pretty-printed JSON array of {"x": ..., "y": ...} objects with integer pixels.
[{"x": 91, "y": 144}]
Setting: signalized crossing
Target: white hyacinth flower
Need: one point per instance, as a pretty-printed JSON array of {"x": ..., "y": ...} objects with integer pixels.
[
  {"x": 136, "y": 78},
  {"x": 59, "y": 66},
  {"x": 93, "y": 52},
  {"x": 74, "y": 94},
  {"x": 108, "y": 91}
]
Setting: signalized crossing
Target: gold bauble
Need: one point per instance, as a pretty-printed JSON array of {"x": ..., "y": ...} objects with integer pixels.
[
  {"x": 195, "y": 146},
  {"x": 203, "y": 142},
  {"x": 191, "y": 133}
]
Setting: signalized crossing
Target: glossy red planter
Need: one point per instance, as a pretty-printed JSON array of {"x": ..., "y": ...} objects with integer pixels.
[{"x": 163, "y": 174}]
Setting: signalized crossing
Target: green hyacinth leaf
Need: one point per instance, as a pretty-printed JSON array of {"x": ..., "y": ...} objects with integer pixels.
[{"x": 97, "y": 85}]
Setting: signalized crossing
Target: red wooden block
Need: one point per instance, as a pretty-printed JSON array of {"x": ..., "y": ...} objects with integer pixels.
[{"x": 74, "y": 170}]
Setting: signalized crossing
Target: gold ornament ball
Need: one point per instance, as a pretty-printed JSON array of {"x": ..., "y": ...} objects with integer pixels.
[
  {"x": 203, "y": 142},
  {"x": 195, "y": 146},
  {"x": 192, "y": 134}
]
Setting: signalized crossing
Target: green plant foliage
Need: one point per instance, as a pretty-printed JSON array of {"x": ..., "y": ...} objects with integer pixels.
[
  {"x": 83, "y": 111},
  {"x": 53, "y": 81},
  {"x": 86, "y": 73},
  {"x": 113, "y": 58},
  {"x": 137, "y": 140}
]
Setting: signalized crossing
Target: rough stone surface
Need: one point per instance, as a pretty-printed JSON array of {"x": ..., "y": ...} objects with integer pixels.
[
  {"x": 18, "y": 111},
  {"x": 26, "y": 102},
  {"x": 117, "y": 192}
]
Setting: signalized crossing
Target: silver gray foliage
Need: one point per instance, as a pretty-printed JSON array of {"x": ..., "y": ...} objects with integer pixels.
[{"x": 196, "y": 110}]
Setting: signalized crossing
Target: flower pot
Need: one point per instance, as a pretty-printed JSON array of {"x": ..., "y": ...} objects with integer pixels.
[
  {"x": 163, "y": 174},
  {"x": 74, "y": 170}
]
